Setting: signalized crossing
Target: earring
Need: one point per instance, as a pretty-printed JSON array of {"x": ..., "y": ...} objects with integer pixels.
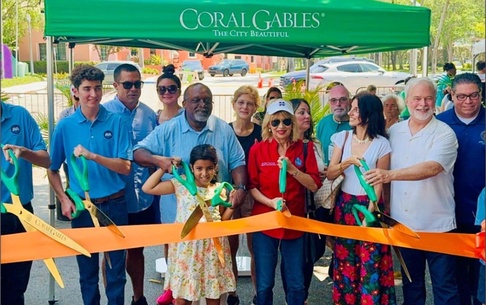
[{"x": 270, "y": 130}]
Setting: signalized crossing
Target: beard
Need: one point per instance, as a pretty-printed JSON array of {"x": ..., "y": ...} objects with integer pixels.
[
  {"x": 201, "y": 116},
  {"x": 422, "y": 116}
]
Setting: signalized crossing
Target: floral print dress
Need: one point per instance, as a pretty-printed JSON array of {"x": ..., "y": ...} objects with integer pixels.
[
  {"x": 363, "y": 271},
  {"x": 194, "y": 270}
]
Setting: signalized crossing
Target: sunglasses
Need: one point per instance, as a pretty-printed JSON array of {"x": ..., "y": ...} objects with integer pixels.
[
  {"x": 171, "y": 89},
  {"x": 286, "y": 122},
  {"x": 128, "y": 85}
]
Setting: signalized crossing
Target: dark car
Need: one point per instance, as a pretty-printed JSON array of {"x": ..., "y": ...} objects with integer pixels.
[
  {"x": 229, "y": 67},
  {"x": 193, "y": 65},
  {"x": 296, "y": 76}
]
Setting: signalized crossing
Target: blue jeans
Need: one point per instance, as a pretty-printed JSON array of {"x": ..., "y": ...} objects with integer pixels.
[
  {"x": 265, "y": 250},
  {"x": 442, "y": 268},
  {"x": 116, "y": 209}
]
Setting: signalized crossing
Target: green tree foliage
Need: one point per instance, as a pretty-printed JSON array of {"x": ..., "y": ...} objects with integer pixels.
[{"x": 9, "y": 13}]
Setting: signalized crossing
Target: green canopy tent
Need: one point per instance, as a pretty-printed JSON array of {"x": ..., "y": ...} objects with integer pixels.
[{"x": 288, "y": 28}]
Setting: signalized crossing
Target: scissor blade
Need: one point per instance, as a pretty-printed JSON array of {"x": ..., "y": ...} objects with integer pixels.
[
  {"x": 50, "y": 264},
  {"x": 394, "y": 224},
  {"x": 105, "y": 220},
  {"x": 402, "y": 262},
  {"x": 192, "y": 221},
  {"x": 40, "y": 225}
]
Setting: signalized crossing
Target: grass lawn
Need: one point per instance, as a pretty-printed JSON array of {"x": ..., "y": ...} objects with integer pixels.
[{"x": 9, "y": 82}]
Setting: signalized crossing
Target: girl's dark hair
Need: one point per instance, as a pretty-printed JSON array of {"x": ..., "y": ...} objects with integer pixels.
[
  {"x": 371, "y": 114},
  {"x": 204, "y": 152},
  {"x": 449, "y": 66},
  {"x": 168, "y": 72},
  {"x": 308, "y": 134}
]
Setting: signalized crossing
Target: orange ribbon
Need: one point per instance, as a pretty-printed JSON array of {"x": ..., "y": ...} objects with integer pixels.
[
  {"x": 480, "y": 245},
  {"x": 35, "y": 246}
]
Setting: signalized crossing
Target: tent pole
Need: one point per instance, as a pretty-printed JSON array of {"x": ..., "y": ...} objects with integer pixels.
[
  {"x": 307, "y": 71},
  {"x": 425, "y": 64},
  {"x": 50, "y": 112}
]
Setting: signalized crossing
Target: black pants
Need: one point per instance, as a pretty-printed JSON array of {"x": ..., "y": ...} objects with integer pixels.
[{"x": 14, "y": 276}]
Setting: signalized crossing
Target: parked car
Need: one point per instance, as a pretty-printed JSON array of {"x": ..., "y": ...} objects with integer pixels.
[
  {"x": 108, "y": 67},
  {"x": 296, "y": 76},
  {"x": 193, "y": 65},
  {"x": 354, "y": 75},
  {"x": 229, "y": 67}
]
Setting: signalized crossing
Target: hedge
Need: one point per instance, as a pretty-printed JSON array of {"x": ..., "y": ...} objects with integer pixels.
[{"x": 40, "y": 67}]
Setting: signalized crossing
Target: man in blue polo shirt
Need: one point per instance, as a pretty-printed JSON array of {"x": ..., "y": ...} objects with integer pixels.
[
  {"x": 196, "y": 125},
  {"x": 103, "y": 138},
  {"x": 467, "y": 121},
  {"x": 128, "y": 85},
  {"x": 21, "y": 134}
]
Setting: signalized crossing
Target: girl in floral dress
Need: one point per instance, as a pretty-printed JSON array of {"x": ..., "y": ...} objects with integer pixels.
[
  {"x": 363, "y": 271},
  {"x": 194, "y": 270}
]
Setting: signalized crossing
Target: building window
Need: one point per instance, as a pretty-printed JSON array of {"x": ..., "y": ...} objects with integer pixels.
[
  {"x": 60, "y": 50},
  {"x": 42, "y": 51},
  {"x": 192, "y": 55},
  {"x": 237, "y": 57},
  {"x": 252, "y": 59},
  {"x": 153, "y": 51},
  {"x": 133, "y": 51}
]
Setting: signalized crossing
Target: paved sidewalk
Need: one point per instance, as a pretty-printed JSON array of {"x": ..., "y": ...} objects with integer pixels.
[{"x": 38, "y": 289}]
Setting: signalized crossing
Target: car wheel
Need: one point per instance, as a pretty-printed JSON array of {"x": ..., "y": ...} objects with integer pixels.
[
  {"x": 243, "y": 72},
  {"x": 231, "y": 74},
  {"x": 201, "y": 76},
  {"x": 225, "y": 73},
  {"x": 212, "y": 75}
]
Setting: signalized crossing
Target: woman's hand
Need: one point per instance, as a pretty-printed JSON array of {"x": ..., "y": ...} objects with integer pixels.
[
  {"x": 353, "y": 160},
  {"x": 275, "y": 202}
]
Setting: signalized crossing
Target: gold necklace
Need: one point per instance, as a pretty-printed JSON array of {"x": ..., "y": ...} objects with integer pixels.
[{"x": 364, "y": 141}]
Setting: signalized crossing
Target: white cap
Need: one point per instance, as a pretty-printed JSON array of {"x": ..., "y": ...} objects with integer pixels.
[{"x": 280, "y": 105}]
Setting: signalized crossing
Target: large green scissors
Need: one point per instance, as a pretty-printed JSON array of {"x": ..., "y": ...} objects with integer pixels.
[
  {"x": 384, "y": 220},
  {"x": 33, "y": 223},
  {"x": 97, "y": 216},
  {"x": 282, "y": 187},
  {"x": 202, "y": 209}
]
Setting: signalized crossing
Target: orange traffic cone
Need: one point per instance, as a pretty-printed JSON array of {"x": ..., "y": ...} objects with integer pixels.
[{"x": 260, "y": 81}]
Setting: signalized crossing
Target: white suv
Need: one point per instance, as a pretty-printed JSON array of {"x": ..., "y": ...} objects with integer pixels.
[{"x": 354, "y": 75}]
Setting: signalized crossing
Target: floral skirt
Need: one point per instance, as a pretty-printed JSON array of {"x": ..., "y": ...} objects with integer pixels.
[{"x": 363, "y": 271}]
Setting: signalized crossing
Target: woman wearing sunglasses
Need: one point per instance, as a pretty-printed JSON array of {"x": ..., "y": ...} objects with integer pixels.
[
  {"x": 169, "y": 90},
  {"x": 280, "y": 143},
  {"x": 272, "y": 94}
]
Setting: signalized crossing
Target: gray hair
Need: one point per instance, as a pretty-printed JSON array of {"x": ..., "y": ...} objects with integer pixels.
[
  {"x": 418, "y": 81},
  {"x": 397, "y": 99}
]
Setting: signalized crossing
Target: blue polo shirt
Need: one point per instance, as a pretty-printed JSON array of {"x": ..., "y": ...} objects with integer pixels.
[
  {"x": 108, "y": 135},
  {"x": 19, "y": 128},
  {"x": 469, "y": 169},
  {"x": 175, "y": 138},
  {"x": 142, "y": 120},
  {"x": 325, "y": 129}
]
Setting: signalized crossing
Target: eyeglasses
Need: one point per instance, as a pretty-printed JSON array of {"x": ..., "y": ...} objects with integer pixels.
[
  {"x": 206, "y": 101},
  {"x": 171, "y": 89},
  {"x": 128, "y": 85},
  {"x": 473, "y": 96},
  {"x": 340, "y": 100},
  {"x": 286, "y": 122}
]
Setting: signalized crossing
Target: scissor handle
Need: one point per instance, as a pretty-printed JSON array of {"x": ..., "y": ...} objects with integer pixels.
[
  {"x": 78, "y": 202},
  {"x": 217, "y": 200},
  {"x": 81, "y": 176},
  {"x": 189, "y": 181},
  {"x": 369, "y": 217},
  {"x": 282, "y": 177},
  {"x": 12, "y": 183},
  {"x": 370, "y": 190}
]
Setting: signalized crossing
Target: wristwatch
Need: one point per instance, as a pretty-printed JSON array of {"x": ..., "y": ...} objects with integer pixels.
[{"x": 241, "y": 186}]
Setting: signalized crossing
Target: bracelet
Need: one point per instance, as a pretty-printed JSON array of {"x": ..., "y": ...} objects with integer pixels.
[
  {"x": 296, "y": 173},
  {"x": 341, "y": 167}
]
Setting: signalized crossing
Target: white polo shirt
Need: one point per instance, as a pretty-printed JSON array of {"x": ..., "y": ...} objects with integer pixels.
[{"x": 424, "y": 205}]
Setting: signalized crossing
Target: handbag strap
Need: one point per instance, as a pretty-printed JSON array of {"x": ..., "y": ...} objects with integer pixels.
[
  {"x": 310, "y": 206},
  {"x": 344, "y": 144}
]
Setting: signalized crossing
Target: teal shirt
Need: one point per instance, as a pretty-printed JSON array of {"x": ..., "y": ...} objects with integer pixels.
[
  {"x": 325, "y": 129},
  {"x": 444, "y": 82}
]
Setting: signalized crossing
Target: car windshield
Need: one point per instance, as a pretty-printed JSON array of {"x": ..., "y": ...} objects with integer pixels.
[{"x": 318, "y": 69}]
